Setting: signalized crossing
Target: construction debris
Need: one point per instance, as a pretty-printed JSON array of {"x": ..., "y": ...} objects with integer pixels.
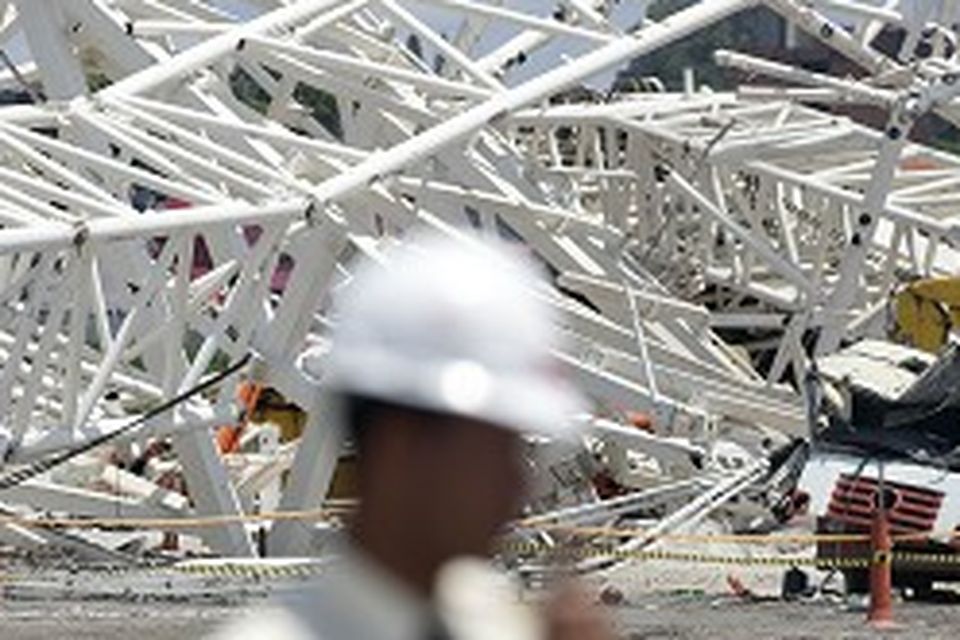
[{"x": 187, "y": 184}]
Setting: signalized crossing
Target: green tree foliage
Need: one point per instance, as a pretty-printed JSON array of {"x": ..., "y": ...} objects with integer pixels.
[
  {"x": 749, "y": 31},
  {"x": 248, "y": 91},
  {"x": 323, "y": 107},
  {"x": 321, "y": 104}
]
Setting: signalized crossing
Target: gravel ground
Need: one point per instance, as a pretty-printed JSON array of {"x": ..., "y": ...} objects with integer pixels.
[
  {"x": 654, "y": 600},
  {"x": 652, "y": 617},
  {"x": 100, "y": 620},
  {"x": 680, "y": 601},
  {"x": 662, "y": 617},
  {"x": 663, "y": 599}
]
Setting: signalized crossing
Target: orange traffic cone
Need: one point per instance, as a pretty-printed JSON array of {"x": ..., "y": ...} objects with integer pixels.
[{"x": 880, "y": 615}]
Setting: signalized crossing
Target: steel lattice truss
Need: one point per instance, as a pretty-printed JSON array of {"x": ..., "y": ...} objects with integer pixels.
[{"x": 159, "y": 227}]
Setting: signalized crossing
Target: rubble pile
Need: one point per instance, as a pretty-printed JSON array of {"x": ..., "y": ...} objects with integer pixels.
[{"x": 180, "y": 196}]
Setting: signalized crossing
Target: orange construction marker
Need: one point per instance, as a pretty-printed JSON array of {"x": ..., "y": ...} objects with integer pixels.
[{"x": 880, "y": 615}]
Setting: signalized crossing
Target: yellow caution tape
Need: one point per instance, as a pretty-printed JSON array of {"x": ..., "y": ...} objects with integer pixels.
[
  {"x": 733, "y": 538},
  {"x": 257, "y": 571},
  {"x": 828, "y": 562},
  {"x": 926, "y": 558},
  {"x": 695, "y": 538},
  {"x": 613, "y": 553}
]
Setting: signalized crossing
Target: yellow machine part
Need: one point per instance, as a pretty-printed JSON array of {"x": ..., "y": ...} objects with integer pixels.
[
  {"x": 926, "y": 311},
  {"x": 344, "y": 484},
  {"x": 291, "y": 420}
]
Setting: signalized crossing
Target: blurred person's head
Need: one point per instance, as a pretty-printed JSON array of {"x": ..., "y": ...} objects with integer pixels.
[
  {"x": 447, "y": 482},
  {"x": 442, "y": 361}
]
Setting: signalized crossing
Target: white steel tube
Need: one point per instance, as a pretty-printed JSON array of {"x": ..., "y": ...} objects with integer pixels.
[
  {"x": 153, "y": 28},
  {"x": 269, "y": 131},
  {"x": 142, "y": 226},
  {"x": 464, "y": 125},
  {"x": 379, "y": 164},
  {"x": 456, "y": 56},
  {"x": 367, "y": 68},
  {"x": 758, "y": 246},
  {"x": 539, "y": 24},
  {"x": 789, "y": 73},
  {"x": 218, "y": 46}
]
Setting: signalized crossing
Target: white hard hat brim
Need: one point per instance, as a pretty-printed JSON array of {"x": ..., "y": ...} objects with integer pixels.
[{"x": 525, "y": 402}]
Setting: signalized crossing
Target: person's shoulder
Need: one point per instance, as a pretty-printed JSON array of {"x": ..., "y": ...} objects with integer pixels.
[{"x": 266, "y": 624}]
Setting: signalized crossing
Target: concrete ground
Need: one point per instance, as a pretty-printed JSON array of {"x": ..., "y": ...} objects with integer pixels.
[
  {"x": 656, "y": 600},
  {"x": 650, "y": 617},
  {"x": 677, "y": 601},
  {"x": 104, "y": 620},
  {"x": 673, "y": 617}
]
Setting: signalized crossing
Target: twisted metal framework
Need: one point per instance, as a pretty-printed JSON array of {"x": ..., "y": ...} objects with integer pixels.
[{"x": 158, "y": 227}]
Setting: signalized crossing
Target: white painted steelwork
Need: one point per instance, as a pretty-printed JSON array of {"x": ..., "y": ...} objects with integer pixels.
[{"x": 156, "y": 226}]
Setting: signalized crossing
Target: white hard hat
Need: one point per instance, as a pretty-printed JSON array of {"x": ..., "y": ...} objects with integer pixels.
[{"x": 453, "y": 326}]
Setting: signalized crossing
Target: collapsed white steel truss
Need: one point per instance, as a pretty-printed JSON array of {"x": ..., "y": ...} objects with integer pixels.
[{"x": 159, "y": 227}]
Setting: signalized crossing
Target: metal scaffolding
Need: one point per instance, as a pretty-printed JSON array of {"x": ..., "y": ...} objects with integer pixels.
[{"x": 158, "y": 226}]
